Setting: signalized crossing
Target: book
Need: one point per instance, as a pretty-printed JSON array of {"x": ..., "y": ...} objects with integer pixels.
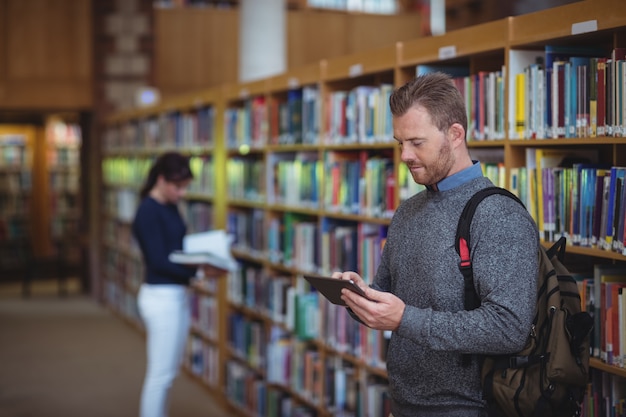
[
  {"x": 603, "y": 273},
  {"x": 206, "y": 248},
  {"x": 613, "y": 206}
]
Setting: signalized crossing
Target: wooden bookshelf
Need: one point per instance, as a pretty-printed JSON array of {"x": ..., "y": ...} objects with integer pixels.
[{"x": 270, "y": 260}]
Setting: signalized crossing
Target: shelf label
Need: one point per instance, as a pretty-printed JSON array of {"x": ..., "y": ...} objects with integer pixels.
[
  {"x": 447, "y": 52},
  {"x": 584, "y": 27},
  {"x": 293, "y": 82},
  {"x": 355, "y": 70}
]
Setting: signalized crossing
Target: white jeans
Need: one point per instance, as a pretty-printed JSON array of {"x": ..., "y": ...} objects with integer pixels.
[{"x": 166, "y": 315}]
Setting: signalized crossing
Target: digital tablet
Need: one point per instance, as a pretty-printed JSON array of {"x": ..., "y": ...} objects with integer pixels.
[{"x": 331, "y": 287}]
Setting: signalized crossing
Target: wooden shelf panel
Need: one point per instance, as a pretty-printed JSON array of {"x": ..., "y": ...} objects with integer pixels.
[
  {"x": 598, "y": 364},
  {"x": 307, "y": 75},
  {"x": 360, "y": 64},
  {"x": 565, "y": 21},
  {"x": 465, "y": 42},
  {"x": 243, "y": 91},
  {"x": 182, "y": 103},
  {"x": 192, "y": 101}
]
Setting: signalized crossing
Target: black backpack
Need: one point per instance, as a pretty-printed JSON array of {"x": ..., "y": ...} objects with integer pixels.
[{"x": 548, "y": 378}]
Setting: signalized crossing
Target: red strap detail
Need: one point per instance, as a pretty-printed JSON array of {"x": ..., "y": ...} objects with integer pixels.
[{"x": 464, "y": 252}]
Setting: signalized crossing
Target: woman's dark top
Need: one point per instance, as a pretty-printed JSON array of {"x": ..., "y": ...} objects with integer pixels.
[{"x": 159, "y": 230}]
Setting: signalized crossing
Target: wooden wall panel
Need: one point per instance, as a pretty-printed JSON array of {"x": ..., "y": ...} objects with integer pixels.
[
  {"x": 197, "y": 49},
  {"x": 315, "y": 35},
  {"x": 369, "y": 31},
  {"x": 3, "y": 56},
  {"x": 46, "y": 54}
]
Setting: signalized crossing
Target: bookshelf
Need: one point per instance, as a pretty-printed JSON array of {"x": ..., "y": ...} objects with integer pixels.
[
  {"x": 63, "y": 144},
  {"x": 306, "y": 176},
  {"x": 16, "y": 186}
]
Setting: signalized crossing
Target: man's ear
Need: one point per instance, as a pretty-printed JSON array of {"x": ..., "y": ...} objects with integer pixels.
[{"x": 457, "y": 134}]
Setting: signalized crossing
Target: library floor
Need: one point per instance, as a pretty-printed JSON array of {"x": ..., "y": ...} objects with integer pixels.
[{"x": 70, "y": 357}]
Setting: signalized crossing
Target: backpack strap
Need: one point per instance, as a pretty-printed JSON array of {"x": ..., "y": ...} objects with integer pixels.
[
  {"x": 462, "y": 241},
  {"x": 462, "y": 246},
  {"x": 558, "y": 249}
]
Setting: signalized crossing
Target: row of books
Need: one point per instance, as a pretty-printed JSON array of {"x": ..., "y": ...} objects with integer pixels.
[
  {"x": 605, "y": 396},
  {"x": 133, "y": 171},
  {"x": 63, "y": 135},
  {"x": 16, "y": 181},
  {"x": 65, "y": 229},
  {"x": 253, "y": 396},
  {"x": 125, "y": 171},
  {"x": 483, "y": 93},
  {"x": 129, "y": 269},
  {"x": 202, "y": 360},
  {"x": 342, "y": 390},
  {"x": 247, "y": 340},
  {"x": 247, "y": 125},
  {"x": 119, "y": 234},
  {"x": 306, "y": 243},
  {"x": 569, "y": 92},
  {"x": 14, "y": 152},
  {"x": 359, "y": 183},
  {"x": 296, "y": 179},
  {"x": 14, "y": 204},
  {"x": 249, "y": 231},
  {"x": 484, "y": 101},
  {"x": 198, "y": 215},
  {"x": 295, "y": 119},
  {"x": 63, "y": 204},
  {"x": 585, "y": 202},
  {"x": 300, "y": 311},
  {"x": 602, "y": 296},
  {"x": 203, "y": 170},
  {"x": 63, "y": 181},
  {"x": 205, "y": 315},
  {"x": 344, "y": 334},
  {"x": 355, "y": 182},
  {"x": 122, "y": 301},
  {"x": 167, "y": 130},
  {"x": 63, "y": 157},
  {"x": 13, "y": 229},
  {"x": 121, "y": 203},
  {"x": 359, "y": 115},
  {"x": 246, "y": 179}
]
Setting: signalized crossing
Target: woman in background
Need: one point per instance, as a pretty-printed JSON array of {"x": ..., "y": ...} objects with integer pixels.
[{"x": 163, "y": 299}]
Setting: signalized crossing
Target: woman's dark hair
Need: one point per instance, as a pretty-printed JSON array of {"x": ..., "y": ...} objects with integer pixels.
[{"x": 173, "y": 166}]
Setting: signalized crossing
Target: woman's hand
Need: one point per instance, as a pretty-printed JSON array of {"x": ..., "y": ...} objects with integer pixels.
[{"x": 212, "y": 271}]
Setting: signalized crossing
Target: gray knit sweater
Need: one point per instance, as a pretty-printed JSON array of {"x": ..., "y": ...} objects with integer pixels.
[{"x": 420, "y": 265}]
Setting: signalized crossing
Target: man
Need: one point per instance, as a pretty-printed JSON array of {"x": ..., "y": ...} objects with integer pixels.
[{"x": 418, "y": 287}]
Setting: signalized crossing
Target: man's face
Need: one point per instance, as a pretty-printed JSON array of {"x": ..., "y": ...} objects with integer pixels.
[{"x": 424, "y": 149}]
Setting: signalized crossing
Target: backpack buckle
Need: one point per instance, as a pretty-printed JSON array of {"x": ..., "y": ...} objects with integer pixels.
[
  {"x": 518, "y": 361},
  {"x": 465, "y": 264}
]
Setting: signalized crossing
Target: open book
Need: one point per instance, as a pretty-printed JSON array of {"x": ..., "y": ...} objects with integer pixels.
[{"x": 206, "y": 248}]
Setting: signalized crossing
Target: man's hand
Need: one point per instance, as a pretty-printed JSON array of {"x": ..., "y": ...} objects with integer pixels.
[{"x": 383, "y": 312}]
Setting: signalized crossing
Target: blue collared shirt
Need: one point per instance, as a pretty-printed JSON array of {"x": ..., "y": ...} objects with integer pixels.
[{"x": 461, "y": 177}]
